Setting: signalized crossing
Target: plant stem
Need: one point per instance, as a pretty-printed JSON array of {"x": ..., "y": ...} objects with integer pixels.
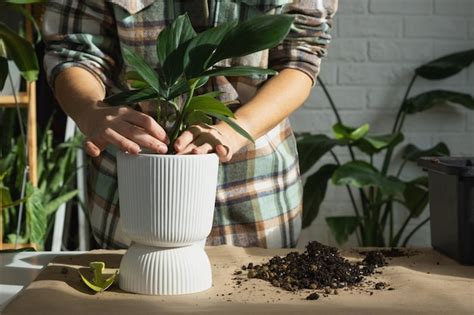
[
  {"x": 397, "y": 125},
  {"x": 179, "y": 121},
  {"x": 400, "y": 169},
  {"x": 351, "y": 196},
  {"x": 362, "y": 194},
  {"x": 414, "y": 231},
  {"x": 396, "y": 239},
  {"x": 331, "y": 102}
]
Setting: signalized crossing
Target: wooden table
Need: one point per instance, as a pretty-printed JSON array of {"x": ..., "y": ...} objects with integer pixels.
[{"x": 424, "y": 283}]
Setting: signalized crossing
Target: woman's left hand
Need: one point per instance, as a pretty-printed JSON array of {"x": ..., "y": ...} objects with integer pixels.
[{"x": 204, "y": 138}]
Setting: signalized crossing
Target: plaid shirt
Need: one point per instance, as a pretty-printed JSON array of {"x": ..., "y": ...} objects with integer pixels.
[{"x": 259, "y": 191}]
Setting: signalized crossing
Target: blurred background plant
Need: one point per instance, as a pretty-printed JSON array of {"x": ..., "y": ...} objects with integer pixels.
[
  {"x": 56, "y": 173},
  {"x": 26, "y": 209},
  {"x": 377, "y": 189}
]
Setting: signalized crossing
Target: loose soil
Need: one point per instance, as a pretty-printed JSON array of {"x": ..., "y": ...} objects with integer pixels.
[{"x": 319, "y": 267}]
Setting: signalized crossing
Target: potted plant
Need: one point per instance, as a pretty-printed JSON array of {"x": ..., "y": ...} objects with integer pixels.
[
  {"x": 378, "y": 188},
  {"x": 167, "y": 201}
]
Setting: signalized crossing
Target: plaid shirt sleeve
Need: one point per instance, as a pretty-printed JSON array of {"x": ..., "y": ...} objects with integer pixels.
[
  {"x": 80, "y": 34},
  {"x": 308, "y": 39}
]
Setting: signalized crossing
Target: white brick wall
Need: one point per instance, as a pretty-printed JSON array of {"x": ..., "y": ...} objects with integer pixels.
[{"x": 376, "y": 45}]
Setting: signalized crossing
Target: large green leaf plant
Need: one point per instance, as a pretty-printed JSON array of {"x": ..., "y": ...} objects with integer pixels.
[
  {"x": 187, "y": 60},
  {"x": 378, "y": 190}
]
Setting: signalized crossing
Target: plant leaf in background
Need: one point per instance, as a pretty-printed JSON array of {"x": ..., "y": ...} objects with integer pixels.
[
  {"x": 413, "y": 153},
  {"x": 21, "y": 52},
  {"x": 361, "y": 174},
  {"x": 36, "y": 219},
  {"x": 342, "y": 227},
  {"x": 416, "y": 195},
  {"x": 430, "y": 99},
  {"x": 374, "y": 144},
  {"x": 251, "y": 36},
  {"x": 314, "y": 192},
  {"x": 350, "y": 133},
  {"x": 446, "y": 66},
  {"x": 25, "y": 1},
  {"x": 99, "y": 282},
  {"x": 312, "y": 147}
]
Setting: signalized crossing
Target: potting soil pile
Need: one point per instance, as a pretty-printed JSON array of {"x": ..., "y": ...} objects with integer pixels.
[{"x": 318, "y": 267}]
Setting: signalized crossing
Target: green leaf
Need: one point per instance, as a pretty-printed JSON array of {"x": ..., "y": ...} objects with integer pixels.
[
  {"x": 5, "y": 197},
  {"x": 36, "y": 219},
  {"x": 413, "y": 153},
  {"x": 374, "y": 144},
  {"x": 350, "y": 133},
  {"x": 30, "y": 17},
  {"x": 143, "y": 69},
  {"x": 208, "y": 104},
  {"x": 416, "y": 195},
  {"x": 446, "y": 66},
  {"x": 342, "y": 227},
  {"x": 3, "y": 72},
  {"x": 253, "y": 35},
  {"x": 361, "y": 174},
  {"x": 99, "y": 282},
  {"x": 21, "y": 52},
  {"x": 312, "y": 147},
  {"x": 201, "y": 48},
  {"x": 314, "y": 192},
  {"x": 54, "y": 204},
  {"x": 131, "y": 97},
  {"x": 238, "y": 71},
  {"x": 171, "y": 46},
  {"x": 234, "y": 125},
  {"x": 196, "y": 117},
  {"x": 430, "y": 99}
]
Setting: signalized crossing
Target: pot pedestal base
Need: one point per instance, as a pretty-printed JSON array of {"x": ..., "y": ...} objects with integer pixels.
[{"x": 165, "y": 271}]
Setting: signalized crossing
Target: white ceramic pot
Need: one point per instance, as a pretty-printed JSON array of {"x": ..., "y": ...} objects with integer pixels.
[{"x": 166, "y": 207}]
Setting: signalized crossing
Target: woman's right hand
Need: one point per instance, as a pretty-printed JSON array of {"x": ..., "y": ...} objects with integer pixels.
[{"x": 124, "y": 127}]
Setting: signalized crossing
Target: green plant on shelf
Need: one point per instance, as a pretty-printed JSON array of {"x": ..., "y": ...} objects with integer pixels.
[{"x": 377, "y": 188}]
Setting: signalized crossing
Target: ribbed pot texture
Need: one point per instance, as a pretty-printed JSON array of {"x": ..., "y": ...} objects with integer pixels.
[
  {"x": 167, "y": 200},
  {"x": 165, "y": 271}
]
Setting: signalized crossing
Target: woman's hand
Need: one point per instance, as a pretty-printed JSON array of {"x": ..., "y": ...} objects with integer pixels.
[
  {"x": 123, "y": 127},
  {"x": 203, "y": 138}
]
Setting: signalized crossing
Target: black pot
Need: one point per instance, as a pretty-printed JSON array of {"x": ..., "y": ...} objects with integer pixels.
[{"x": 451, "y": 190}]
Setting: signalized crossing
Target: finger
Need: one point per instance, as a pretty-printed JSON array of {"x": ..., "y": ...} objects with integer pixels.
[
  {"x": 121, "y": 142},
  {"x": 141, "y": 137},
  {"x": 223, "y": 152},
  {"x": 148, "y": 123},
  {"x": 186, "y": 138},
  {"x": 188, "y": 149},
  {"x": 202, "y": 149},
  {"x": 91, "y": 149}
]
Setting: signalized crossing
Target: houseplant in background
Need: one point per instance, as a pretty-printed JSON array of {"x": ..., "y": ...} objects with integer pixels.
[
  {"x": 167, "y": 201},
  {"x": 56, "y": 163},
  {"x": 56, "y": 171},
  {"x": 378, "y": 190}
]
